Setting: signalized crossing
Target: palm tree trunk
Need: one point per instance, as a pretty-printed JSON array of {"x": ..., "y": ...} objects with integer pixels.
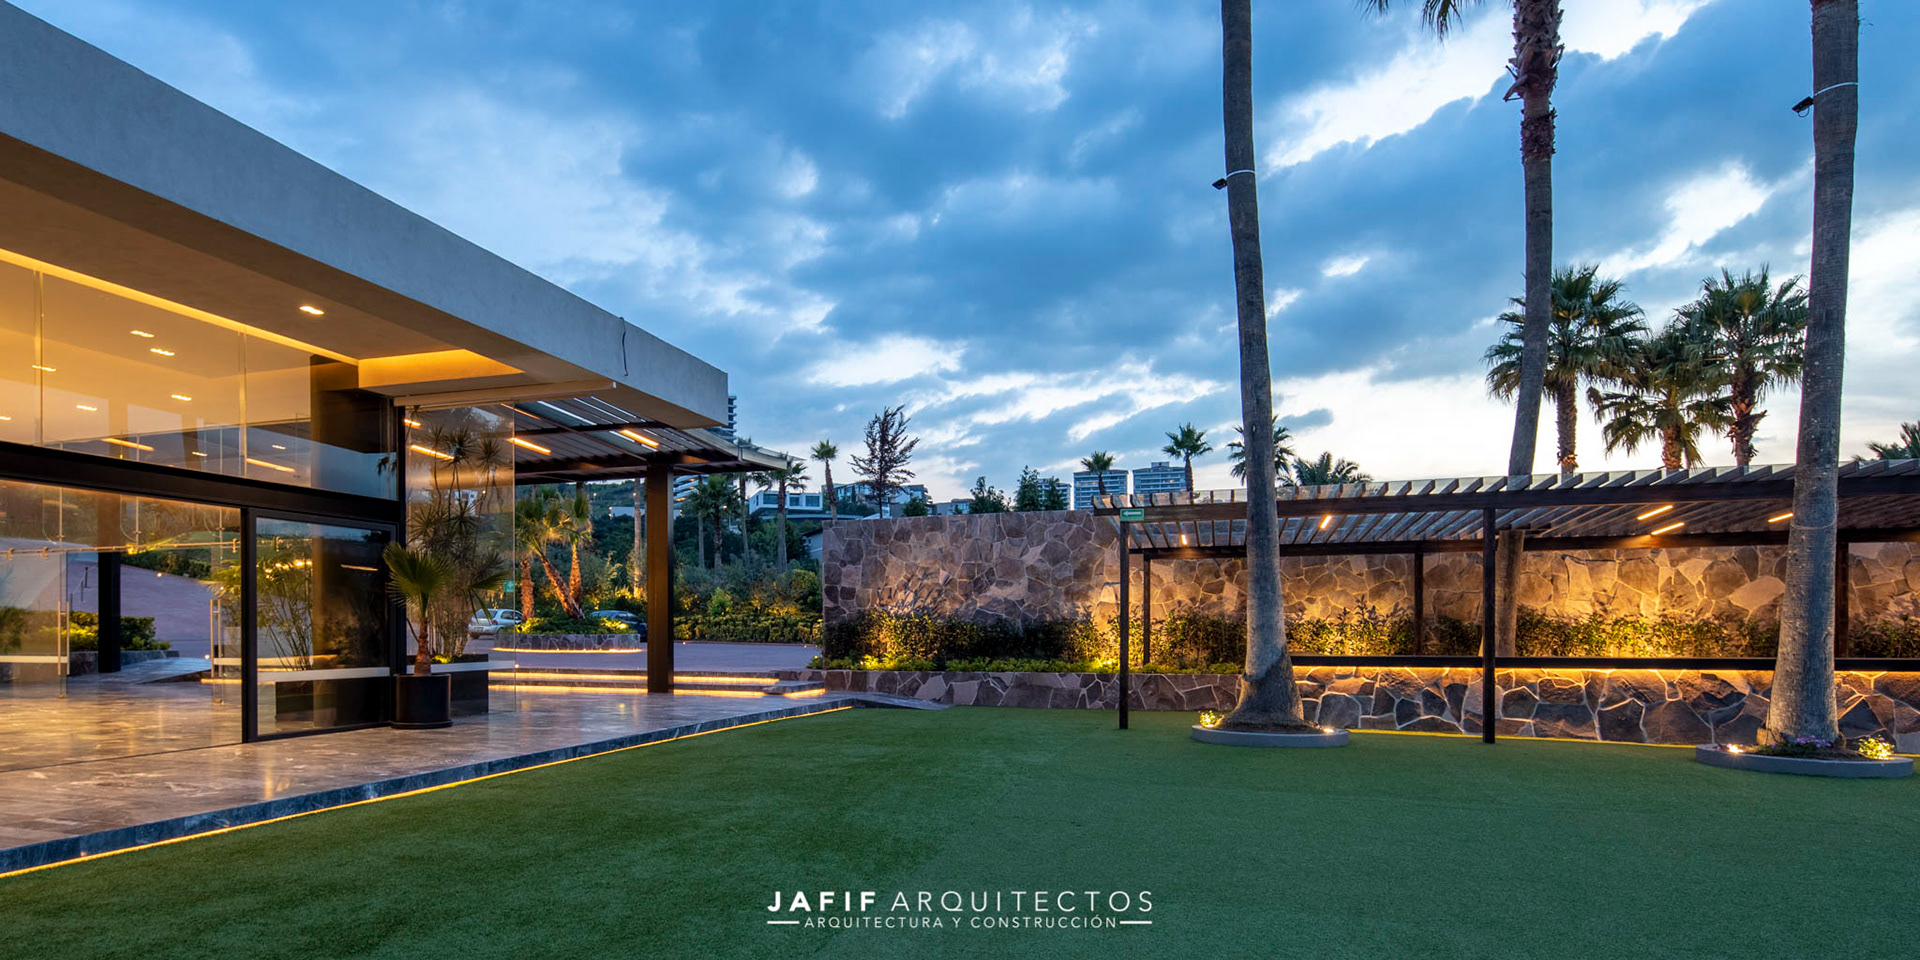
[
  {"x": 526, "y": 585},
  {"x": 1268, "y": 697},
  {"x": 1802, "y": 703},
  {"x": 636, "y": 577},
  {"x": 780, "y": 525},
  {"x": 833, "y": 501},
  {"x": 1188, "y": 460},
  {"x": 719, "y": 536},
  {"x": 1536, "y": 54},
  {"x": 574, "y": 588},
  {"x": 1745, "y": 422},
  {"x": 1671, "y": 452},
  {"x": 1566, "y": 409},
  {"x": 746, "y": 536},
  {"x": 700, "y": 541},
  {"x": 554, "y": 584}
]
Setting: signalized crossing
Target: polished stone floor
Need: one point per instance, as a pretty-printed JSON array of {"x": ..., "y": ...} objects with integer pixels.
[
  {"x": 115, "y": 715},
  {"x": 69, "y": 809},
  {"x": 687, "y": 657}
]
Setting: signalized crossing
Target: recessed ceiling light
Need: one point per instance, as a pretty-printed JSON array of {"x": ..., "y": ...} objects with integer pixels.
[
  {"x": 278, "y": 447},
  {"x": 5, "y": 418},
  {"x": 116, "y": 441},
  {"x": 1668, "y": 528},
  {"x": 43, "y": 368},
  {"x": 183, "y": 398},
  {"x": 409, "y": 421},
  {"x": 161, "y": 351},
  {"x": 1656, "y": 511},
  {"x": 639, "y": 438},
  {"x": 199, "y": 453},
  {"x": 311, "y": 310},
  {"x": 82, "y": 406},
  {"x": 1779, "y": 517},
  {"x": 141, "y": 333},
  {"x": 530, "y": 445}
]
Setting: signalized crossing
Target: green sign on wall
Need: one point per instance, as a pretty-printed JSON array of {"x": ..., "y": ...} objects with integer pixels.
[{"x": 1134, "y": 515}]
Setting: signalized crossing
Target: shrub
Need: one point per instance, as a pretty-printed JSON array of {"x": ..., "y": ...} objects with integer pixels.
[
  {"x": 570, "y": 625},
  {"x": 136, "y": 633}
]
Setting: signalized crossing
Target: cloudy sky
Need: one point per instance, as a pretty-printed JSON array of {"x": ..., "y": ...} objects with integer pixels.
[{"x": 999, "y": 215}]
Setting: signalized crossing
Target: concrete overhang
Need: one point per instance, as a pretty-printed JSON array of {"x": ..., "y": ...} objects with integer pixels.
[{"x": 106, "y": 171}]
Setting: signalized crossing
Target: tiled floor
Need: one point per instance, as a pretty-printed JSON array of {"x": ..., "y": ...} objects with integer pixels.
[
  {"x": 115, "y": 715},
  {"x": 50, "y": 813}
]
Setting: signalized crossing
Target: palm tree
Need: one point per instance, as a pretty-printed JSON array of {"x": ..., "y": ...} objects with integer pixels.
[
  {"x": 1269, "y": 700},
  {"x": 1325, "y": 471},
  {"x": 793, "y": 476},
  {"x": 1535, "y": 68},
  {"x": 1907, "y": 449},
  {"x": 1188, "y": 443},
  {"x": 530, "y": 537},
  {"x": 825, "y": 452},
  {"x": 1282, "y": 451},
  {"x": 545, "y": 519},
  {"x": 636, "y": 575},
  {"x": 711, "y": 500},
  {"x": 1755, "y": 332},
  {"x": 1588, "y": 340},
  {"x": 1098, "y": 463},
  {"x": 426, "y": 582},
  {"x": 1668, "y": 392},
  {"x": 574, "y": 526},
  {"x": 1802, "y": 703}
]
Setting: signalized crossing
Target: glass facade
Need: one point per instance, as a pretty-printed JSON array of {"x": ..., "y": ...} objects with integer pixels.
[
  {"x": 321, "y": 618},
  {"x": 98, "y": 369},
  {"x": 172, "y": 569}
]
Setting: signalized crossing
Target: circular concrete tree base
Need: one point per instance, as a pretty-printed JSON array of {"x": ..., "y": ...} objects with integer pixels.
[
  {"x": 1717, "y": 756},
  {"x": 1248, "y": 738}
]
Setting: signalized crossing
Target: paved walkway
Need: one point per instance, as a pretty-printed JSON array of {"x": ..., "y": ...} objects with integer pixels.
[{"x": 54, "y": 813}]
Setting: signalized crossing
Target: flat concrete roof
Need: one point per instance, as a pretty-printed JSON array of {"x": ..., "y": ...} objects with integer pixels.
[{"x": 107, "y": 171}]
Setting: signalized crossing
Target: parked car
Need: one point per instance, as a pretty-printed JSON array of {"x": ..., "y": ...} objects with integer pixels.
[
  {"x": 487, "y": 623},
  {"x": 632, "y": 621}
]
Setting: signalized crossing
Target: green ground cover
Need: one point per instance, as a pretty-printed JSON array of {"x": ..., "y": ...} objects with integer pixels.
[{"x": 1396, "y": 846}]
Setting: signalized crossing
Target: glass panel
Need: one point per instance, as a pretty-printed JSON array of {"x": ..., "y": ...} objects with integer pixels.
[
  {"x": 460, "y": 508},
  {"x": 94, "y": 368},
  {"x": 177, "y": 564},
  {"x": 320, "y": 619},
  {"x": 309, "y": 423},
  {"x": 19, "y": 356},
  {"x": 135, "y": 382}
]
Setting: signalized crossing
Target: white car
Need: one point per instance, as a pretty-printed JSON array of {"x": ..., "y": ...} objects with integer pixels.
[{"x": 487, "y": 623}]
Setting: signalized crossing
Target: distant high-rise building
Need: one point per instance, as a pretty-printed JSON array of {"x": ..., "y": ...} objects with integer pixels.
[
  {"x": 1086, "y": 486},
  {"x": 733, "y": 418},
  {"x": 1160, "y": 477}
]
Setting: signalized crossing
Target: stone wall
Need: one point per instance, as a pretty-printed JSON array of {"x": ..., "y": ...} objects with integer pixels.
[
  {"x": 1627, "y": 706},
  {"x": 1039, "y": 566}
]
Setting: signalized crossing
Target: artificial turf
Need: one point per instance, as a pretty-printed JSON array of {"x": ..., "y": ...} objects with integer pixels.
[{"x": 1395, "y": 846}]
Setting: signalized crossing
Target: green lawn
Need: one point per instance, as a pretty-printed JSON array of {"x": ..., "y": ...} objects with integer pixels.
[{"x": 1396, "y": 846}]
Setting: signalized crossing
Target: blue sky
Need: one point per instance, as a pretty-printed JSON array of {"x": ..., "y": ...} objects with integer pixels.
[{"x": 999, "y": 215}]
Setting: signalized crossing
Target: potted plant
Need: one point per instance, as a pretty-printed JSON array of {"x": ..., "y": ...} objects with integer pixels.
[{"x": 426, "y": 583}]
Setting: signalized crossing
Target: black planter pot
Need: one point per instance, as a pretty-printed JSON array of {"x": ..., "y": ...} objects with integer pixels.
[{"x": 422, "y": 703}]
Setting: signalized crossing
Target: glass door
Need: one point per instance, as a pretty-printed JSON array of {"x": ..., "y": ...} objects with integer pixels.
[{"x": 320, "y": 618}]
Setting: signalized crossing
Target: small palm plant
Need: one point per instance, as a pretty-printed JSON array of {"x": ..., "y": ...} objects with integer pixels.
[
  {"x": 417, "y": 579},
  {"x": 427, "y": 585}
]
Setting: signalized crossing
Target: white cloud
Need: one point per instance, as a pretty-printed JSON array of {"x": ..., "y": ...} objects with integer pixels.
[
  {"x": 1344, "y": 266},
  {"x": 1698, "y": 209},
  {"x": 1426, "y": 74},
  {"x": 890, "y": 359},
  {"x": 1281, "y": 299},
  {"x": 1022, "y": 59}
]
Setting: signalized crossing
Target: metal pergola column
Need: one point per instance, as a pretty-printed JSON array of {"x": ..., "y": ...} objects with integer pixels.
[
  {"x": 1489, "y": 710},
  {"x": 659, "y": 483},
  {"x": 1126, "y": 614}
]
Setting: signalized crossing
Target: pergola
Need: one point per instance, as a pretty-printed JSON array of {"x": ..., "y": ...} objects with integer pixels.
[
  {"x": 1639, "y": 509},
  {"x": 582, "y": 439}
]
